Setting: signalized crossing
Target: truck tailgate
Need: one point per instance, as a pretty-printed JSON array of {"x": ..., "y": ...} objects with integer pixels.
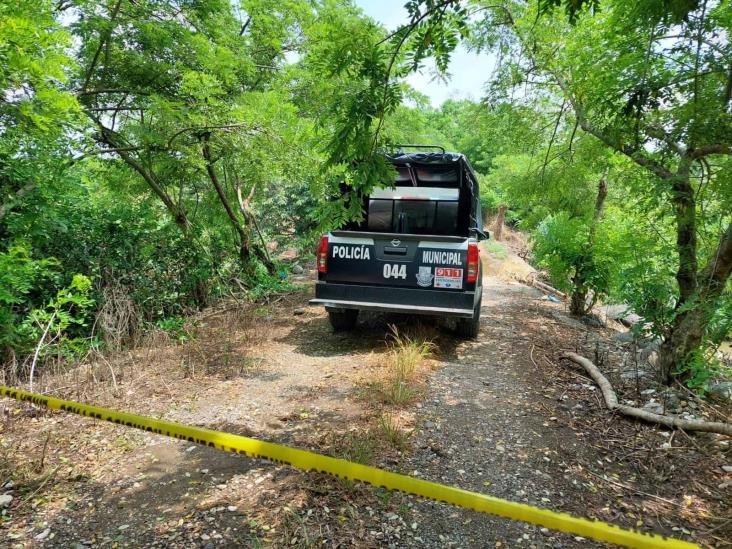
[{"x": 408, "y": 261}]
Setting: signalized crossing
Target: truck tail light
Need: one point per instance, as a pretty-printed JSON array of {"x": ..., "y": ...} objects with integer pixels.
[
  {"x": 322, "y": 254},
  {"x": 473, "y": 262}
]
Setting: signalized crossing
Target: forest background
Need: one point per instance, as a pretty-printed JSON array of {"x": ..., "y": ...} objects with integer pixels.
[{"x": 153, "y": 152}]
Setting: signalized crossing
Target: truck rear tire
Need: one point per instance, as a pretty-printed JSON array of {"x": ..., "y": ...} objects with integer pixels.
[
  {"x": 468, "y": 328},
  {"x": 343, "y": 320}
]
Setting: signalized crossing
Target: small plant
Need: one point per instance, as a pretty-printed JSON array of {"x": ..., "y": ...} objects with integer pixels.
[
  {"x": 262, "y": 311},
  {"x": 176, "y": 327},
  {"x": 358, "y": 446},
  {"x": 235, "y": 365},
  {"x": 392, "y": 432},
  {"x": 295, "y": 531},
  {"x": 403, "y": 358},
  {"x": 57, "y": 326},
  {"x": 699, "y": 369},
  {"x": 397, "y": 392}
]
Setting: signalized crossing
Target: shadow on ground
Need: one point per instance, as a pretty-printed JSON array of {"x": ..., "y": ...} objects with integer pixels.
[{"x": 315, "y": 337}]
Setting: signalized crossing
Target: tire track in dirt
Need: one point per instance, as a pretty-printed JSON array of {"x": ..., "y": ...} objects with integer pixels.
[{"x": 482, "y": 429}]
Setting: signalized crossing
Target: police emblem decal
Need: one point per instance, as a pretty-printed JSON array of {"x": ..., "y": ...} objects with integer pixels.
[{"x": 425, "y": 276}]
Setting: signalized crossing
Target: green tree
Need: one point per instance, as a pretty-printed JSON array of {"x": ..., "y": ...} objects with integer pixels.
[
  {"x": 35, "y": 111},
  {"x": 173, "y": 90},
  {"x": 650, "y": 81},
  {"x": 656, "y": 88}
]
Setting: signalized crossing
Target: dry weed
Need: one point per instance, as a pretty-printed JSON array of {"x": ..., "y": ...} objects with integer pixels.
[
  {"x": 300, "y": 529},
  {"x": 221, "y": 348},
  {"x": 119, "y": 318},
  {"x": 407, "y": 353},
  {"x": 358, "y": 446}
]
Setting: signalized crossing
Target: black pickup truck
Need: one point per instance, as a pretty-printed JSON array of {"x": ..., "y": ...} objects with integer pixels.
[{"x": 416, "y": 250}]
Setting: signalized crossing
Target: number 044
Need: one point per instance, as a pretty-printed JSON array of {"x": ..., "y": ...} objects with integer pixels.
[{"x": 395, "y": 271}]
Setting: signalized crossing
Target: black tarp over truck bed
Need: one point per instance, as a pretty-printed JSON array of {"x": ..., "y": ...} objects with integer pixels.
[{"x": 433, "y": 194}]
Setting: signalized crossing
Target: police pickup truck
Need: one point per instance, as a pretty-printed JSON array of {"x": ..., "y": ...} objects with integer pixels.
[{"x": 415, "y": 251}]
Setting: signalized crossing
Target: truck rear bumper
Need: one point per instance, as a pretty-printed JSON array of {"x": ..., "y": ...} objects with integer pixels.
[{"x": 395, "y": 300}]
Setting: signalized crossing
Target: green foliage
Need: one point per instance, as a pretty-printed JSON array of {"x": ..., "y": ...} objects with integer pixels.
[
  {"x": 701, "y": 367},
  {"x": 117, "y": 186},
  {"x": 34, "y": 60},
  {"x": 176, "y": 327},
  {"x": 561, "y": 246},
  {"x": 260, "y": 285},
  {"x": 720, "y": 325},
  {"x": 59, "y": 328},
  {"x": 21, "y": 281},
  {"x": 490, "y": 199}
]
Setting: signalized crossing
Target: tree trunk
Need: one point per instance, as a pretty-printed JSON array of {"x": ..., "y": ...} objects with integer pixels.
[
  {"x": 248, "y": 214},
  {"x": 578, "y": 301},
  {"x": 500, "y": 220},
  {"x": 687, "y": 331},
  {"x": 246, "y": 247},
  {"x": 178, "y": 214},
  {"x": 697, "y": 291},
  {"x": 685, "y": 212},
  {"x": 578, "y": 305}
]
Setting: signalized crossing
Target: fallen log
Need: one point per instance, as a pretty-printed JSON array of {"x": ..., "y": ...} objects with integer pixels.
[
  {"x": 611, "y": 401},
  {"x": 548, "y": 288}
]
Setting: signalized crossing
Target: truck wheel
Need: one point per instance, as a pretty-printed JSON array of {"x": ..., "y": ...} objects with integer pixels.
[
  {"x": 343, "y": 320},
  {"x": 468, "y": 328}
]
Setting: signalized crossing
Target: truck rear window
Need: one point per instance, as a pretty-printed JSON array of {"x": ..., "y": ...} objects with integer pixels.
[{"x": 414, "y": 210}]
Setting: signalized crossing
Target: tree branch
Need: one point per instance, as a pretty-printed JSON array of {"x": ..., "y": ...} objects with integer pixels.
[
  {"x": 99, "y": 91},
  {"x": 249, "y": 215},
  {"x": 662, "y": 135},
  {"x": 611, "y": 401},
  {"x": 179, "y": 215},
  {"x": 102, "y": 40},
  {"x": 717, "y": 271},
  {"x": 707, "y": 150},
  {"x": 243, "y": 236},
  {"x": 208, "y": 128},
  {"x": 631, "y": 152},
  {"x": 551, "y": 141},
  {"x": 244, "y": 26}
]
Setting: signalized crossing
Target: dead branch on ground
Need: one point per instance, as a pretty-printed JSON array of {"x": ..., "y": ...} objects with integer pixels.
[
  {"x": 547, "y": 288},
  {"x": 611, "y": 401}
]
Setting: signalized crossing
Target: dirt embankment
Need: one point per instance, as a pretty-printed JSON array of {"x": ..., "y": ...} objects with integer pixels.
[{"x": 500, "y": 415}]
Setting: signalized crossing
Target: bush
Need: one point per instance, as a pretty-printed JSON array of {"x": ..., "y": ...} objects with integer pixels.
[
  {"x": 129, "y": 250},
  {"x": 135, "y": 246},
  {"x": 25, "y": 283},
  {"x": 60, "y": 328},
  {"x": 490, "y": 200},
  {"x": 561, "y": 246}
]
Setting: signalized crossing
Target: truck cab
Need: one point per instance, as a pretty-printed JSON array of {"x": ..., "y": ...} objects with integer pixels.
[{"x": 416, "y": 249}]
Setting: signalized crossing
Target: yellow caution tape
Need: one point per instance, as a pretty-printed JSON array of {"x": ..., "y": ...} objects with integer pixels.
[{"x": 310, "y": 461}]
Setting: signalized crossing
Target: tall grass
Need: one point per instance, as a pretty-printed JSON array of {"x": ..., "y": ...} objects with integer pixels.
[{"x": 406, "y": 353}]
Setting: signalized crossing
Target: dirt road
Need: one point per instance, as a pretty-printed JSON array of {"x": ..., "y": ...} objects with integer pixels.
[{"x": 499, "y": 416}]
